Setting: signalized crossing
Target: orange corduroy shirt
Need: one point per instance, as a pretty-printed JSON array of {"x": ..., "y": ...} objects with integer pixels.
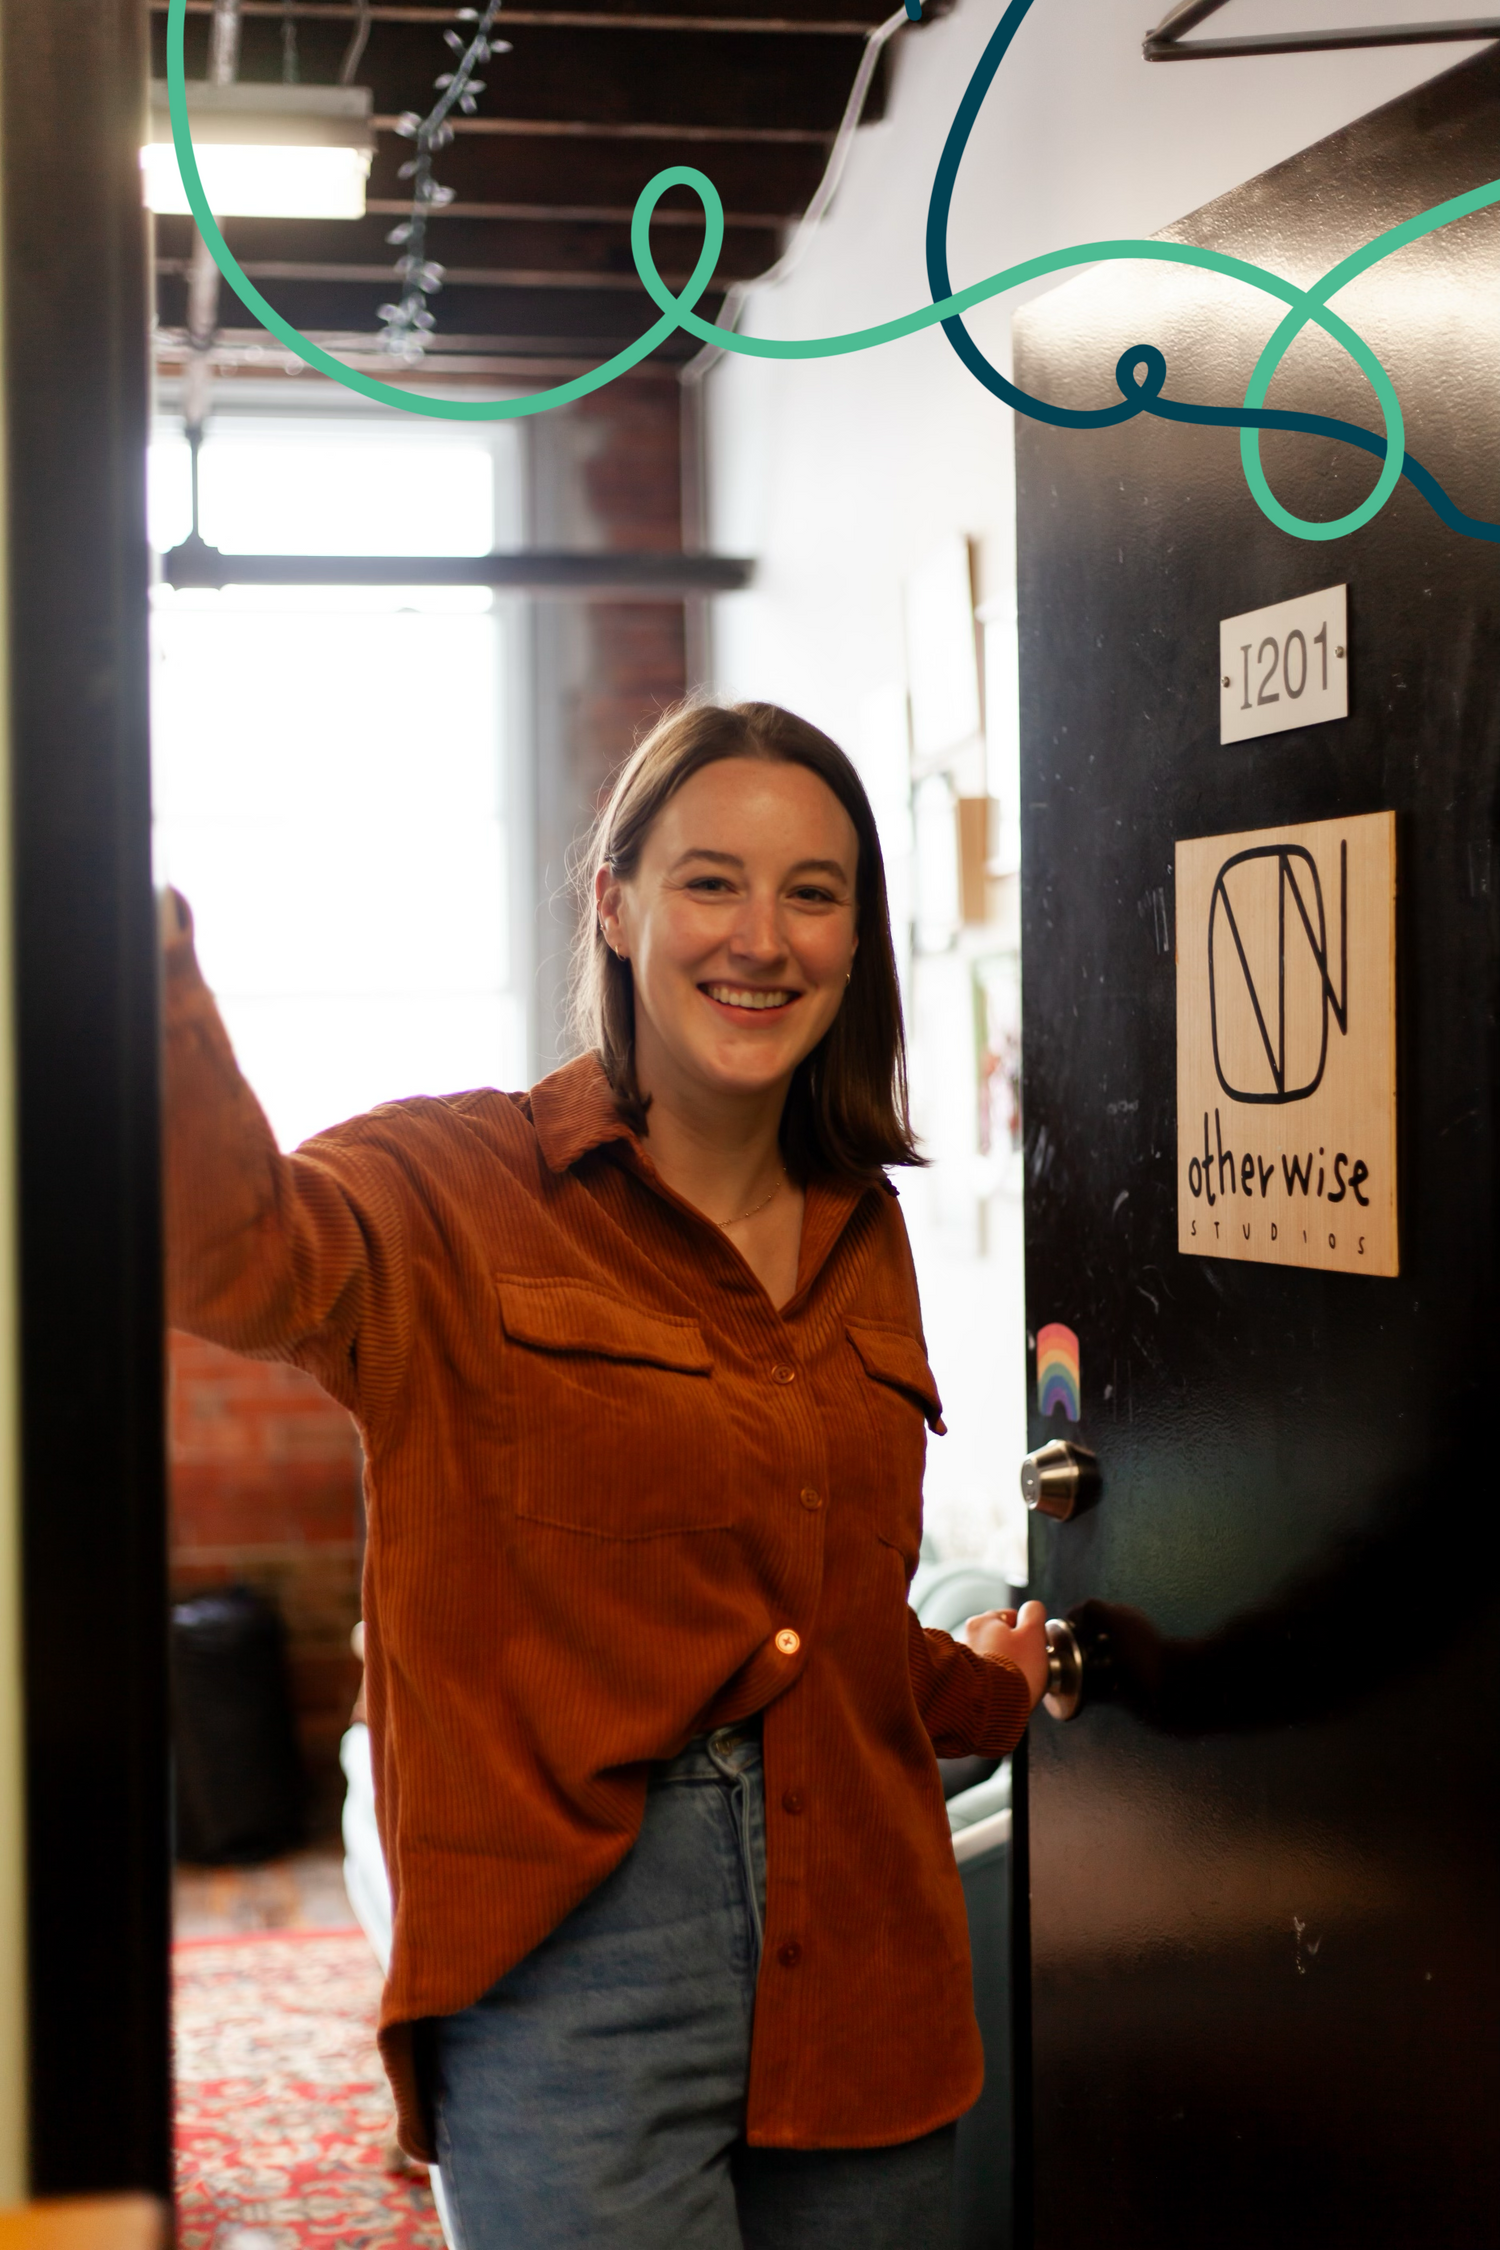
[{"x": 615, "y": 1498}]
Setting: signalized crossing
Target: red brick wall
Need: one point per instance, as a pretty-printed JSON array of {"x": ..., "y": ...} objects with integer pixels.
[
  {"x": 605, "y": 473},
  {"x": 632, "y": 463},
  {"x": 631, "y": 478},
  {"x": 265, "y": 1476}
]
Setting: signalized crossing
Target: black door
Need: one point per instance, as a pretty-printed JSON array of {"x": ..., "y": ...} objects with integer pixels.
[{"x": 1262, "y": 1859}]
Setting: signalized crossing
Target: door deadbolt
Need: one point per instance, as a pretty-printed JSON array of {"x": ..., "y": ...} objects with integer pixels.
[
  {"x": 1063, "y": 1696},
  {"x": 1059, "y": 1479}
]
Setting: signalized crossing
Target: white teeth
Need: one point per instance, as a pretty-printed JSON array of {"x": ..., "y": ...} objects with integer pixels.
[{"x": 738, "y": 996}]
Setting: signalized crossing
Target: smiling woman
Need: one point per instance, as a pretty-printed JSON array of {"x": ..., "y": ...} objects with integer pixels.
[
  {"x": 679, "y": 1946},
  {"x": 735, "y": 871},
  {"x": 846, "y": 1100}
]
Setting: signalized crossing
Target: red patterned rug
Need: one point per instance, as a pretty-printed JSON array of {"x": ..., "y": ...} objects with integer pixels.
[{"x": 283, "y": 2114}]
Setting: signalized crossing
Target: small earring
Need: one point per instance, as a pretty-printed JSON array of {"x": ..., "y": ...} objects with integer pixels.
[{"x": 848, "y": 973}]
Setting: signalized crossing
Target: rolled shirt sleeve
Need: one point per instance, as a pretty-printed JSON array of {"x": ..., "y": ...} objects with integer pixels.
[{"x": 971, "y": 1705}]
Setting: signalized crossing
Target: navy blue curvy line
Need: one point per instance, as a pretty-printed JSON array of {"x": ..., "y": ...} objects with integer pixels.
[{"x": 1142, "y": 371}]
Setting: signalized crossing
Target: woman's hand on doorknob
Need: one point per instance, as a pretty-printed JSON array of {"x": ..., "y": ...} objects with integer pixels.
[{"x": 1019, "y": 1636}]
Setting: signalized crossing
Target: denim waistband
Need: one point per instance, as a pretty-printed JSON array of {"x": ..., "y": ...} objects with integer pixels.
[
  {"x": 731, "y": 1758},
  {"x": 708, "y": 1756}
]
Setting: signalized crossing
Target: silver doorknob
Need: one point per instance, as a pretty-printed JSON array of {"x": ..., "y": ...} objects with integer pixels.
[
  {"x": 1064, "y": 1693},
  {"x": 1059, "y": 1478}
]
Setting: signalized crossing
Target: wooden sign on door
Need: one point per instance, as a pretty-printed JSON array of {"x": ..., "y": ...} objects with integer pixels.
[{"x": 1286, "y": 1045}]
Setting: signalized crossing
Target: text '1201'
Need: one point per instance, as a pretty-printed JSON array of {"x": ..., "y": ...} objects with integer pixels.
[{"x": 1286, "y": 666}]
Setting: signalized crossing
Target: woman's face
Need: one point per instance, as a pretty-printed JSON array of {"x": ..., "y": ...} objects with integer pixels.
[{"x": 738, "y": 925}]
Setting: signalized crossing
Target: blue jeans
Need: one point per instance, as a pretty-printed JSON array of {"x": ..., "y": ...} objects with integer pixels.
[{"x": 596, "y": 2095}]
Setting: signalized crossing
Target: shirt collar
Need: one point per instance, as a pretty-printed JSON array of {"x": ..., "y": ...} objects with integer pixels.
[{"x": 574, "y": 1111}]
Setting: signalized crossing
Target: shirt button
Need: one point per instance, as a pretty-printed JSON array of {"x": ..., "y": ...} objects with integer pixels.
[
  {"x": 791, "y": 1800},
  {"x": 789, "y": 1954},
  {"x": 787, "y": 1641},
  {"x": 783, "y": 1374},
  {"x": 810, "y": 1498}
]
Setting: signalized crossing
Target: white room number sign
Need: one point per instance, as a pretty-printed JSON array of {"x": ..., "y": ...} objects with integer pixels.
[{"x": 1286, "y": 666}]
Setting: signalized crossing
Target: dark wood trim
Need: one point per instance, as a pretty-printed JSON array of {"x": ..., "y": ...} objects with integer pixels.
[
  {"x": 577, "y": 248},
  {"x": 581, "y": 214},
  {"x": 573, "y": 19},
  {"x": 92, "y": 1461},
  {"x": 455, "y": 277},
  {"x": 609, "y": 172},
  {"x": 595, "y": 129}
]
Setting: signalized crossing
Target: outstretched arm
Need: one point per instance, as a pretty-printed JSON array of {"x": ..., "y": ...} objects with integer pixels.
[{"x": 268, "y": 1254}]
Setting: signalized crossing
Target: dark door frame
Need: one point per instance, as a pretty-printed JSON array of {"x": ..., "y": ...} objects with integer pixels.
[{"x": 91, "y": 1352}]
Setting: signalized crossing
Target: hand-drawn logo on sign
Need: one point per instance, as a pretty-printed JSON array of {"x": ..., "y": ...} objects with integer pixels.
[{"x": 1269, "y": 987}]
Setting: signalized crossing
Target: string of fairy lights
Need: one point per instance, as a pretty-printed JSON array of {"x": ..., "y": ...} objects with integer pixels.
[{"x": 409, "y": 321}]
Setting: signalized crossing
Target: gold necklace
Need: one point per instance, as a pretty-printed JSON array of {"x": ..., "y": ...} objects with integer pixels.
[{"x": 756, "y": 1208}]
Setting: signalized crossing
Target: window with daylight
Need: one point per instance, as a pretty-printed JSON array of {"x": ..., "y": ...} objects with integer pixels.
[{"x": 333, "y": 785}]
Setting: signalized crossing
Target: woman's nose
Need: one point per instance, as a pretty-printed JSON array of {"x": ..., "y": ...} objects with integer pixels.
[{"x": 757, "y": 934}]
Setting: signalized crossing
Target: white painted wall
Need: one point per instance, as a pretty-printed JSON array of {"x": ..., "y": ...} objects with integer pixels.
[{"x": 841, "y": 475}]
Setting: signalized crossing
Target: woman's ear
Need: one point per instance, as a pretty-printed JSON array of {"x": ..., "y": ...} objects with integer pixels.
[{"x": 608, "y": 899}]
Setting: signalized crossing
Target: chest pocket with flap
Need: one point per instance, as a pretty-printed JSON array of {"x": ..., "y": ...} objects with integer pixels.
[
  {"x": 894, "y": 1357},
  {"x": 900, "y": 1396},
  {"x": 618, "y": 1429}
]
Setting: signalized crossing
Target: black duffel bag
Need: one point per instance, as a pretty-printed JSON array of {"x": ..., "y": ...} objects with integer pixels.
[{"x": 239, "y": 1791}]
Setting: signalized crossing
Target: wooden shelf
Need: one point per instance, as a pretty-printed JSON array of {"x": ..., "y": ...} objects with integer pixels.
[{"x": 106, "y": 2222}]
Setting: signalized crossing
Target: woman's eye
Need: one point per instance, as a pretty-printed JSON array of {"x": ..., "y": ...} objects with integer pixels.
[
  {"x": 813, "y": 894},
  {"x": 708, "y": 883}
]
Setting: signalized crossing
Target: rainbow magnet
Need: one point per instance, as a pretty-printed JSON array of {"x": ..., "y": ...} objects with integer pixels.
[{"x": 1057, "y": 1381}]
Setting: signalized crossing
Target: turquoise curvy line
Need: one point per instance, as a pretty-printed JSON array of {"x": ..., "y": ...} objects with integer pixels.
[
  {"x": 1147, "y": 369},
  {"x": 1141, "y": 372},
  {"x": 1347, "y": 270},
  {"x": 1306, "y": 305}
]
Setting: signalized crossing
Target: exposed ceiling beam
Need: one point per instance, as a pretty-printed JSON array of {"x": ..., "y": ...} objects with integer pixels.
[
  {"x": 574, "y": 19},
  {"x": 545, "y": 241},
  {"x": 588, "y": 320},
  {"x": 455, "y": 277},
  {"x": 526, "y": 357},
  {"x": 728, "y": 80},
  {"x": 525, "y": 349},
  {"x": 607, "y": 129},
  {"x": 452, "y": 363},
  {"x": 582, "y": 214},
  {"x": 608, "y": 173}
]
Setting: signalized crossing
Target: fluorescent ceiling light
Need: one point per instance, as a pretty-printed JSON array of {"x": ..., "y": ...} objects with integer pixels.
[
  {"x": 276, "y": 152},
  {"x": 265, "y": 182}
]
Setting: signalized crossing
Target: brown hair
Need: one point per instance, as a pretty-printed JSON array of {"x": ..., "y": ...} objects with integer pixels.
[{"x": 846, "y": 1108}]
